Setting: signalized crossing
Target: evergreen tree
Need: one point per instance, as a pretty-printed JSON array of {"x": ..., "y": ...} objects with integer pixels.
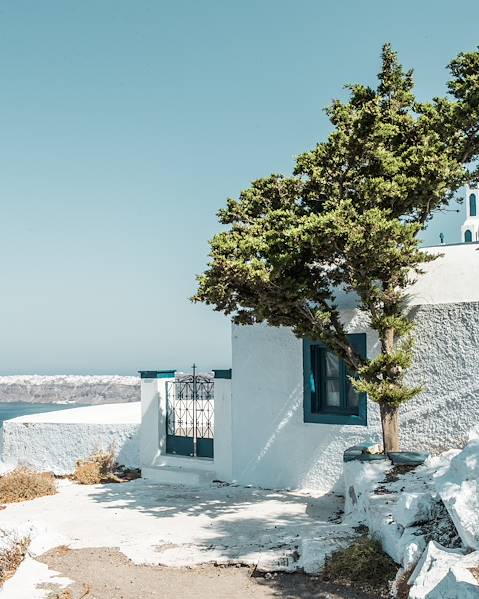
[{"x": 348, "y": 218}]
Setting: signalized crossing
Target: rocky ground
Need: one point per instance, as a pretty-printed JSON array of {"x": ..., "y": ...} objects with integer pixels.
[{"x": 426, "y": 518}]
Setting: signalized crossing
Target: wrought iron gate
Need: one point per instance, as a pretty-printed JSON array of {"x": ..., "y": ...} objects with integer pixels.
[{"x": 190, "y": 415}]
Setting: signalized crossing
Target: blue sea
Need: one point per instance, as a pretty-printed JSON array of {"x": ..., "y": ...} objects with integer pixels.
[{"x": 12, "y": 410}]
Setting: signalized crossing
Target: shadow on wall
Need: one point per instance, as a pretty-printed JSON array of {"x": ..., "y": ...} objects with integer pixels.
[
  {"x": 129, "y": 452},
  {"x": 272, "y": 445},
  {"x": 302, "y": 455}
]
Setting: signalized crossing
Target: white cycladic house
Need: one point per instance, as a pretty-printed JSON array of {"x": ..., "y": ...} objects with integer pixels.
[{"x": 285, "y": 413}]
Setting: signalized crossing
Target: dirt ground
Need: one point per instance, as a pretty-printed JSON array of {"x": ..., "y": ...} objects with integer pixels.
[{"x": 108, "y": 574}]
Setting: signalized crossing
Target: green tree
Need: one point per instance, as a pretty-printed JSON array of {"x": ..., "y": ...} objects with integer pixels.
[{"x": 348, "y": 219}]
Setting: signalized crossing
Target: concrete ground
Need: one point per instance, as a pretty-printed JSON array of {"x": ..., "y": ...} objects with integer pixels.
[
  {"x": 173, "y": 525},
  {"x": 147, "y": 524},
  {"x": 107, "y": 574}
]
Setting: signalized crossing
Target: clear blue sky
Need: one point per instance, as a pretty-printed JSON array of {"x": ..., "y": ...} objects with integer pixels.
[{"x": 125, "y": 125}]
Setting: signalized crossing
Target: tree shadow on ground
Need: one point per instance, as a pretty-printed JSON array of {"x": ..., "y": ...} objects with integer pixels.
[
  {"x": 300, "y": 586},
  {"x": 214, "y": 500},
  {"x": 231, "y": 522}
]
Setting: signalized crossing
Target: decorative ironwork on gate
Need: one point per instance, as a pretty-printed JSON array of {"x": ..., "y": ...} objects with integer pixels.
[{"x": 190, "y": 415}]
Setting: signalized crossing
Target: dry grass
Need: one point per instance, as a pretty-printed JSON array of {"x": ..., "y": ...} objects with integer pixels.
[
  {"x": 23, "y": 484},
  {"x": 363, "y": 565},
  {"x": 98, "y": 468},
  {"x": 402, "y": 586},
  {"x": 11, "y": 558}
]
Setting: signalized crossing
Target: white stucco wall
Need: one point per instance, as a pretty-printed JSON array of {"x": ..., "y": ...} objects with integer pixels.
[
  {"x": 273, "y": 447},
  {"x": 447, "y": 363},
  {"x": 54, "y": 441},
  {"x": 153, "y": 419},
  {"x": 223, "y": 451}
]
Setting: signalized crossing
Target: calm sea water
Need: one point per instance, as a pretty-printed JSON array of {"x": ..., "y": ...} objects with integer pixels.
[{"x": 12, "y": 410}]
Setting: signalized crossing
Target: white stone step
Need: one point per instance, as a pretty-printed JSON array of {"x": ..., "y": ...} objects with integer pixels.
[{"x": 177, "y": 475}]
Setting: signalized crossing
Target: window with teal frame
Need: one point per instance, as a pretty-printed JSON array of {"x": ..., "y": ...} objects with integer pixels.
[
  {"x": 329, "y": 396},
  {"x": 472, "y": 205}
]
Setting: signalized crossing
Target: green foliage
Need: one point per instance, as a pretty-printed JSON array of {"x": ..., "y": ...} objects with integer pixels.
[{"x": 348, "y": 219}]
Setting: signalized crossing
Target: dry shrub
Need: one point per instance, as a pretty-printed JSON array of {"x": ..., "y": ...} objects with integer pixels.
[
  {"x": 11, "y": 558},
  {"x": 363, "y": 565},
  {"x": 98, "y": 468},
  {"x": 23, "y": 484}
]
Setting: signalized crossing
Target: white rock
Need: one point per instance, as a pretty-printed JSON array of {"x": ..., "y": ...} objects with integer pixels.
[
  {"x": 458, "y": 487},
  {"x": 433, "y": 566},
  {"x": 413, "y": 508},
  {"x": 458, "y": 583},
  {"x": 411, "y": 547},
  {"x": 327, "y": 540},
  {"x": 313, "y": 555},
  {"x": 360, "y": 479}
]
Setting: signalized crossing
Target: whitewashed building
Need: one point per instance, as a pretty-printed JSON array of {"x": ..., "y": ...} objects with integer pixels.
[
  {"x": 285, "y": 413},
  {"x": 470, "y": 228}
]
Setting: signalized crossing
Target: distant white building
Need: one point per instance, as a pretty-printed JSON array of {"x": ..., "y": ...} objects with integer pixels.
[
  {"x": 470, "y": 228},
  {"x": 286, "y": 412}
]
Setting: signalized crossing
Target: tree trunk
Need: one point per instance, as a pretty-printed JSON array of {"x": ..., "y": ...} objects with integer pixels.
[{"x": 390, "y": 424}]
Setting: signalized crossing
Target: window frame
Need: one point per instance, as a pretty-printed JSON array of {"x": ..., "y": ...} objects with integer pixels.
[
  {"x": 313, "y": 409},
  {"x": 472, "y": 205}
]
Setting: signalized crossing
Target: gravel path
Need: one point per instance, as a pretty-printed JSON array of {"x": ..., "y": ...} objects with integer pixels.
[{"x": 108, "y": 574}]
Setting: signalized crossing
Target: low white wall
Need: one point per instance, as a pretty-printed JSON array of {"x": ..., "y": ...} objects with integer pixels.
[
  {"x": 273, "y": 447},
  {"x": 55, "y": 441}
]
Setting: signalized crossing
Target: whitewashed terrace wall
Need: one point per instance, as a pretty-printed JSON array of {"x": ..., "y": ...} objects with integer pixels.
[{"x": 56, "y": 447}]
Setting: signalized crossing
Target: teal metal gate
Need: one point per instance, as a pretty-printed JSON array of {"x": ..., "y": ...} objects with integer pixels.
[{"x": 190, "y": 416}]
